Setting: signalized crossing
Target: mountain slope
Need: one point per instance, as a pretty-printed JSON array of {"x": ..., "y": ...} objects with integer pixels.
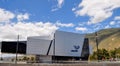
[{"x": 107, "y": 39}]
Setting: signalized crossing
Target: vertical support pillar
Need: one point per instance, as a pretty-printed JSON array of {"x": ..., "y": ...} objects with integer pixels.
[
  {"x": 54, "y": 48},
  {"x": 17, "y": 50}
]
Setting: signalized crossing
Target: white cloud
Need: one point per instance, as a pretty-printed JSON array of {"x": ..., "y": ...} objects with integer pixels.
[
  {"x": 81, "y": 29},
  {"x": 97, "y": 10},
  {"x": 25, "y": 29},
  {"x": 65, "y": 25},
  {"x": 6, "y": 16},
  {"x": 22, "y": 17},
  {"x": 73, "y": 9},
  {"x": 117, "y": 18},
  {"x": 112, "y": 23},
  {"x": 10, "y": 31},
  {"x": 60, "y": 3}
]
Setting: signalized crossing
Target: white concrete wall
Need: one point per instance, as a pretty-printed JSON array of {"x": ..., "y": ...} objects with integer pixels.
[
  {"x": 37, "y": 46},
  {"x": 65, "y": 43}
]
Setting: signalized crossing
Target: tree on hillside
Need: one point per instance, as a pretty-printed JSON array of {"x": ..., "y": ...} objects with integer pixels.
[
  {"x": 105, "y": 53},
  {"x": 113, "y": 53}
]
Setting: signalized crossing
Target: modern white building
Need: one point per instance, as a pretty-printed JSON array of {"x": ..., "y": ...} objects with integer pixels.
[{"x": 61, "y": 46}]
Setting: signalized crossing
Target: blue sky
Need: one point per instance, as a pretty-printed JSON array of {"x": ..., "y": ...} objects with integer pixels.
[{"x": 41, "y": 17}]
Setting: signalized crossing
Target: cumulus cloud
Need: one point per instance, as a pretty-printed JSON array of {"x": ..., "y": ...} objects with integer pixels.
[
  {"x": 97, "y": 10},
  {"x": 81, "y": 29},
  {"x": 117, "y": 18},
  {"x": 6, "y": 16},
  {"x": 22, "y": 17},
  {"x": 26, "y": 29},
  {"x": 64, "y": 25},
  {"x": 112, "y": 23},
  {"x": 10, "y": 31}
]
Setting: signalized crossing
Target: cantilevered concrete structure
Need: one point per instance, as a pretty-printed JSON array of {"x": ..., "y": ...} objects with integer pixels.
[{"x": 61, "y": 46}]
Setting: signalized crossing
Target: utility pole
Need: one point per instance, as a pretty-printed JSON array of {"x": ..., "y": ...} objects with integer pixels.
[
  {"x": 17, "y": 49},
  {"x": 96, "y": 35}
]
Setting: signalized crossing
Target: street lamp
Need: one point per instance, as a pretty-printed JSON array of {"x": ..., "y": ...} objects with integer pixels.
[{"x": 96, "y": 35}]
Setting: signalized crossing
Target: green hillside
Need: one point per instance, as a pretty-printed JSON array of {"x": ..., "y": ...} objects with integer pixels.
[{"x": 107, "y": 38}]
